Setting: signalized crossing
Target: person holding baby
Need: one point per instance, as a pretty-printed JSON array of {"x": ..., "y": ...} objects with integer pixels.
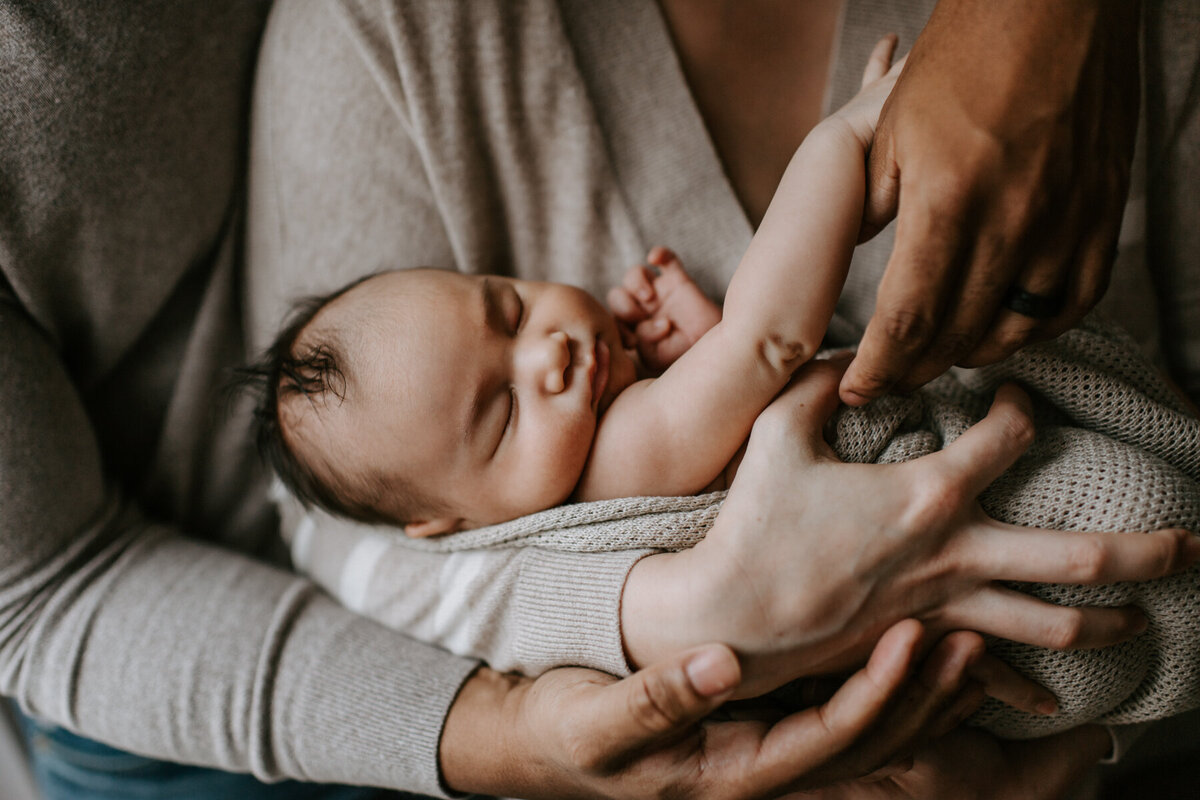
[{"x": 542, "y": 141}]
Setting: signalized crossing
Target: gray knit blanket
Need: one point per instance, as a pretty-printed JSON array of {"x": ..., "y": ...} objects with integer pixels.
[{"x": 1116, "y": 450}]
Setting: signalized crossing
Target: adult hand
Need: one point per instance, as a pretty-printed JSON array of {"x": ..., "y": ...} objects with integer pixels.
[
  {"x": 581, "y": 733},
  {"x": 810, "y": 559},
  {"x": 969, "y": 764},
  {"x": 1004, "y": 154}
]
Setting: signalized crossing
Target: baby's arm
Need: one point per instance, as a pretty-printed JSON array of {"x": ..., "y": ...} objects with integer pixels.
[{"x": 674, "y": 434}]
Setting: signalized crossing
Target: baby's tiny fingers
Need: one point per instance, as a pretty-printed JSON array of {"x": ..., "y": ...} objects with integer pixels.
[
  {"x": 880, "y": 60},
  {"x": 624, "y": 307},
  {"x": 640, "y": 283},
  {"x": 653, "y": 330}
]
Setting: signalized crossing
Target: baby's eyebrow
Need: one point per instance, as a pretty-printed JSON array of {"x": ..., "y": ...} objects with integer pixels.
[
  {"x": 480, "y": 395},
  {"x": 493, "y": 314}
]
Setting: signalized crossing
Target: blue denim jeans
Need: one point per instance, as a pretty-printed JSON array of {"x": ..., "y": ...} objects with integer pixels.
[{"x": 69, "y": 767}]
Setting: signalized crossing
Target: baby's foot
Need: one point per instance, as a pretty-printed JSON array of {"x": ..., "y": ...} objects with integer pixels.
[{"x": 660, "y": 310}]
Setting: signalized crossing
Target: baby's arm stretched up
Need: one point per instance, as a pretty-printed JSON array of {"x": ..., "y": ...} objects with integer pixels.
[{"x": 672, "y": 435}]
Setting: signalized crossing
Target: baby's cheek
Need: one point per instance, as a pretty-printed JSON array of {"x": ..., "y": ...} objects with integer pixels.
[{"x": 561, "y": 462}]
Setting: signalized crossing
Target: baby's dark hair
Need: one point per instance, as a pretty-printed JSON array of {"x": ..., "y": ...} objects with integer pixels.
[{"x": 317, "y": 373}]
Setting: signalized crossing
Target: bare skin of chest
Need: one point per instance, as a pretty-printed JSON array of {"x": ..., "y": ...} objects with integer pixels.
[{"x": 757, "y": 70}]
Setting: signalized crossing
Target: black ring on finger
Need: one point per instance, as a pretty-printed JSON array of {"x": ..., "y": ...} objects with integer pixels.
[{"x": 1037, "y": 306}]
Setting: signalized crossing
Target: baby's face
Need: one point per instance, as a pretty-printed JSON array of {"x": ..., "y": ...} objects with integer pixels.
[{"x": 483, "y": 392}]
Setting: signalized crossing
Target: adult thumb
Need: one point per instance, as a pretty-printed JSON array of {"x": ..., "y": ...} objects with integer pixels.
[
  {"x": 798, "y": 416},
  {"x": 656, "y": 704}
]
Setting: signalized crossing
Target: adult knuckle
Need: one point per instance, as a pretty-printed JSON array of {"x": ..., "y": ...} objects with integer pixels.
[
  {"x": 907, "y": 327},
  {"x": 950, "y": 346},
  {"x": 585, "y": 754},
  {"x": 1089, "y": 560},
  {"x": 951, "y": 189},
  {"x": 1018, "y": 427},
  {"x": 1010, "y": 338},
  {"x": 934, "y": 500},
  {"x": 654, "y": 706},
  {"x": 1171, "y": 550},
  {"x": 1067, "y": 630}
]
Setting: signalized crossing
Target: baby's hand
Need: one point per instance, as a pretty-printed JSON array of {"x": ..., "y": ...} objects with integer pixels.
[
  {"x": 661, "y": 313},
  {"x": 879, "y": 76}
]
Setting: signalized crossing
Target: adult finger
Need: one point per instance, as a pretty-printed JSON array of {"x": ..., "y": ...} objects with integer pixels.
[
  {"x": 941, "y": 697},
  {"x": 988, "y": 276},
  {"x": 934, "y": 700},
  {"x": 800, "y": 412},
  {"x": 1048, "y": 273},
  {"x": 1082, "y": 287},
  {"x": 1001, "y": 682},
  {"x": 657, "y": 703},
  {"x": 623, "y": 305},
  {"x": 990, "y": 446},
  {"x": 966, "y": 703},
  {"x": 921, "y": 274},
  {"x": 1011, "y": 615},
  {"x": 998, "y": 551},
  {"x": 819, "y": 736},
  {"x": 1096, "y": 257}
]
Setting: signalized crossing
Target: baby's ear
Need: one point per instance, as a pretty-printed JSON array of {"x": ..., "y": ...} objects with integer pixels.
[{"x": 422, "y": 529}]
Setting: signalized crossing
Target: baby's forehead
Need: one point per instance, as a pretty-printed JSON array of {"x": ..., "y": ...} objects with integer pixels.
[
  {"x": 395, "y": 321},
  {"x": 388, "y": 292}
]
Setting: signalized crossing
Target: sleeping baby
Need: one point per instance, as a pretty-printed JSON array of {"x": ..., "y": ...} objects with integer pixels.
[{"x": 442, "y": 402}]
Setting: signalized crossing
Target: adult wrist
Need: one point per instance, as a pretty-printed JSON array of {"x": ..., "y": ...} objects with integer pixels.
[{"x": 478, "y": 752}]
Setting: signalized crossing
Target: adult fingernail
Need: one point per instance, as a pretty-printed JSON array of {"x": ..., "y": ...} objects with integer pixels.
[
  {"x": 1192, "y": 549},
  {"x": 1047, "y": 707},
  {"x": 852, "y": 398},
  {"x": 712, "y": 671}
]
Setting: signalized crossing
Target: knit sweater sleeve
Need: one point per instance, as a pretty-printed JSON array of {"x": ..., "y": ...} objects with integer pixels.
[{"x": 368, "y": 153}]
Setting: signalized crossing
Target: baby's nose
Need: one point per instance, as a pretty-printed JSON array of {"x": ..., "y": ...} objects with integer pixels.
[{"x": 554, "y": 356}]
